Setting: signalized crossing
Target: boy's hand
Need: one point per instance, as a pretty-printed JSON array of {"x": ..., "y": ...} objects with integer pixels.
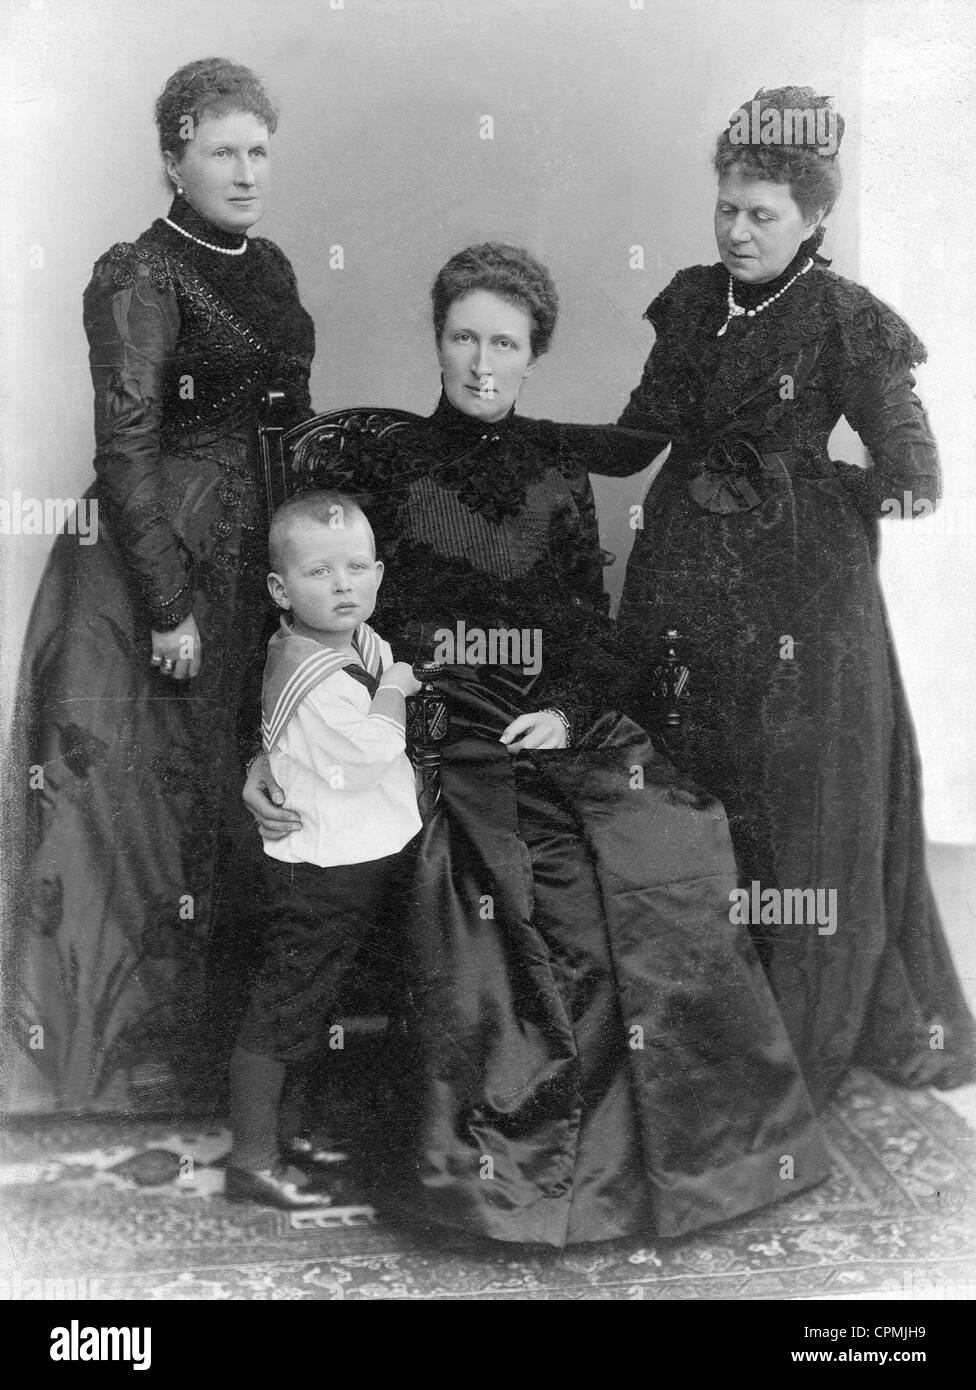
[
  {"x": 542, "y": 729},
  {"x": 402, "y": 677},
  {"x": 263, "y": 798}
]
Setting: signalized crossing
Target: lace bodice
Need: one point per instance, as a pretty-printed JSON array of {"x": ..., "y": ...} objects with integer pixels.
[
  {"x": 777, "y": 383},
  {"x": 494, "y": 525}
]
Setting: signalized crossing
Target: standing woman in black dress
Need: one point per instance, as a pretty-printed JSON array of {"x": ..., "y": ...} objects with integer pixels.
[
  {"x": 762, "y": 550},
  {"x": 141, "y": 647}
]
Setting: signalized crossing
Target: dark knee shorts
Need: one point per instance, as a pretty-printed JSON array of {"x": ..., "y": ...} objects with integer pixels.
[{"x": 315, "y": 922}]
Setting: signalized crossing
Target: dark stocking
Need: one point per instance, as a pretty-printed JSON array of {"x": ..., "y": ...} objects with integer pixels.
[{"x": 255, "y": 1093}]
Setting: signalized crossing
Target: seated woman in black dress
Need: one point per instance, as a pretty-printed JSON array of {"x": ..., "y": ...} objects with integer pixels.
[{"x": 591, "y": 1048}]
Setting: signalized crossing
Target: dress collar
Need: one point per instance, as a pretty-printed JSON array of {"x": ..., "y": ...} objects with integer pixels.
[
  {"x": 449, "y": 419},
  {"x": 186, "y": 216},
  {"x": 487, "y": 463},
  {"x": 748, "y": 295}
]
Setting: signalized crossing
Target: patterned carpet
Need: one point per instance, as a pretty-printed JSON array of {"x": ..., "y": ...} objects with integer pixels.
[{"x": 118, "y": 1209}]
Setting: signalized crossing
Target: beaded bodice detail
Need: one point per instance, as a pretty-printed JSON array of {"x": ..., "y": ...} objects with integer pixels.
[
  {"x": 184, "y": 341},
  {"x": 241, "y": 326}
]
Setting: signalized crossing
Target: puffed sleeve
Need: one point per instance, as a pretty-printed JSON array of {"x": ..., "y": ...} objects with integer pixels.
[
  {"x": 874, "y": 388},
  {"x": 132, "y": 322},
  {"x": 642, "y": 411}
]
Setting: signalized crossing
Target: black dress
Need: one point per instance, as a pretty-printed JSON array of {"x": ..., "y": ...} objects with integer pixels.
[
  {"x": 107, "y": 950},
  {"x": 590, "y": 1047},
  {"x": 762, "y": 551}
]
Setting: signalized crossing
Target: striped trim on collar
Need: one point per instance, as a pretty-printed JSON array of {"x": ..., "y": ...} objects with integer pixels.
[{"x": 284, "y": 688}]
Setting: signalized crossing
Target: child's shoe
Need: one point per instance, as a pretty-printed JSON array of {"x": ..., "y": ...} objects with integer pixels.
[
  {"x": 315, "y": 1156},
  {"x": 270, "y": 1188}
]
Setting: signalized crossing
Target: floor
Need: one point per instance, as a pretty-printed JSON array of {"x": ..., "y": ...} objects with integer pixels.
[
  {"x": 115, "y": 1208},
  {"x": 105, "y": 1209},
  {"x": 953, "y": 873}
]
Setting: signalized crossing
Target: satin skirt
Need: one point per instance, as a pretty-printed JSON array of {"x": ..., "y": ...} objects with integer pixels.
[
  {"x": 128, "y": 803},
  {"x": 590, "y": 1048}
]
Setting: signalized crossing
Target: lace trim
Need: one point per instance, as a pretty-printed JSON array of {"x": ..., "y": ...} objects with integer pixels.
[
  {"x": 869, "y": 328},
  {"x": 165, "y": 614},
  {"x": 699, "y": 391},
  {"x": 489, "y": 471},
  {"x": 126, "y": 255},
  {"x": 731, "y": 423}
]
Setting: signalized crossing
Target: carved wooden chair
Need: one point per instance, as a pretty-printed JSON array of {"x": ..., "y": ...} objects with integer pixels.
[
  {"x": 298, "y": 458},
  {"x": 295, "y": 459}
]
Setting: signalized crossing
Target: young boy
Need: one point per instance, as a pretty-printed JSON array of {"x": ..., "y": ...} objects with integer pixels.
[{"x": 334, "y": 729}]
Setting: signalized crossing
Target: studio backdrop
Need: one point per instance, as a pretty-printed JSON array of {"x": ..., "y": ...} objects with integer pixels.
[{"x": 580, "y": 129}]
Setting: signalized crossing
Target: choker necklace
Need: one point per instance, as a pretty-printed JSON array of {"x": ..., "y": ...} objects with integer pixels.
[
  {"x": 224, "y": 250},
  {"x": 736, "y": 311}
]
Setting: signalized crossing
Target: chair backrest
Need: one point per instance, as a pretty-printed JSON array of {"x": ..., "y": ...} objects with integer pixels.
[{"x": 299, "y": 458}]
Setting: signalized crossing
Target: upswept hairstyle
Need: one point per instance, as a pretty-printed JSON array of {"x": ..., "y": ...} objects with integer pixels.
[
  {"x": 327, "y": 508},
  {"x": 814, "y": 179},
  {"x": 208, "y": 87},
  {"x": 507, "y": 271}
]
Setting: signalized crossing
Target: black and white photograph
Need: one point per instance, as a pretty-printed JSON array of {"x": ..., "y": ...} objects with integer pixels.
[{"x": 488, "y": 737}]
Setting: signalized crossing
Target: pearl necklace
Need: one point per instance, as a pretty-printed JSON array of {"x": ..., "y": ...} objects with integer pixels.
[
  {"x": 224, "y": 250},
  {"x": 736, "y": 310}
]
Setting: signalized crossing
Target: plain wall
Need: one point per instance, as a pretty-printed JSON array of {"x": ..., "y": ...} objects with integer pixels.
[
  {"x": 604, "y": 118},
  {"x": 918, "y": 251}
]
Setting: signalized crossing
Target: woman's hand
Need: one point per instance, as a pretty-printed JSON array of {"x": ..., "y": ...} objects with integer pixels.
[
  {"x": 265, "y": 801},
  {"x": 177, "y": 653},
  {"x": 542, "y": 729}
]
